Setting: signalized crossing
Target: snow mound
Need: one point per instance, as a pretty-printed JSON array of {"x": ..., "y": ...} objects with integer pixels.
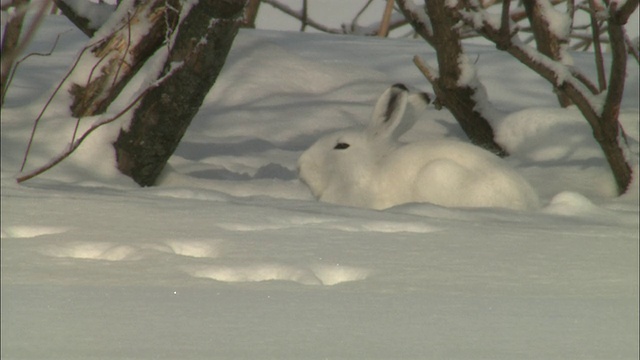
[
  {"x": 571, "y": 204},
  {"x": 316, "y": 275},
  {"x": 30, "y": 231},
  {"x": 93, "y": 251}
]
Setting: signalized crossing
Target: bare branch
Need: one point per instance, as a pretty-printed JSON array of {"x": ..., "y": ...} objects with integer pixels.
[
  {"x": 355, "y": 18},
  {"x": 604, "y": 123},
  {"x": 633, "y": 48},
  {"x": 621, "y": 15},
  {"x": 597, "y": 46},
  {"x": 417, "y": 18},
  {"x": 76, "y": 144},
  {"x": 46, "y": 105},
  {"x": 15, "y": 67},
  {"x": 505, "y": 27},
  {"x": 251, "y": 13},
  {"x": 9, "y": 54},
  {"x": 289, "y": 11},
  {"x": 305, "y": 15},
  {"x": 386, "y": 18}
]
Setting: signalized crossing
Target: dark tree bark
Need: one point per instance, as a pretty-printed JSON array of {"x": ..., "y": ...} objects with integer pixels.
[
  {"x": 458, "y": 99},
  {"x": 202, "y": 43}
]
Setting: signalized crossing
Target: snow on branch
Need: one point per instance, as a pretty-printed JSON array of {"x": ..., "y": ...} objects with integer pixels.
[
  {"x": 601, "y": 112},
  {"x": 417, "y": 18},
  {"x": 86, "y": 15}
]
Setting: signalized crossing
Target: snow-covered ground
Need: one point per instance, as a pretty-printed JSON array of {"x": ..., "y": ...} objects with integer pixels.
[{"x": 230, "y": 256}]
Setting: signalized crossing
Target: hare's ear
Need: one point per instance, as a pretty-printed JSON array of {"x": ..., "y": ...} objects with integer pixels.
[{"x": 388, "y": 112}]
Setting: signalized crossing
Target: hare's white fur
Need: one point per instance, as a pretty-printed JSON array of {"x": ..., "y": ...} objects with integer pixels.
[{"x": 371, "y": 168}]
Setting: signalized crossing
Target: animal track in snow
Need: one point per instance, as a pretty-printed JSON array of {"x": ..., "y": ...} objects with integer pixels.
[
  {"x": 30, "y": 231},
  {"x": 275, "y": 224},
  {"x": 336, "y": 274},
  {"x": 387, "y": 227},
  {"x": 94, "y": 251},
  {"x": 258, "y": 272},
  {"x": 370, "y": 226},
  {"x": 194, "y": 248},
  {"x": 316, "y": 275}
]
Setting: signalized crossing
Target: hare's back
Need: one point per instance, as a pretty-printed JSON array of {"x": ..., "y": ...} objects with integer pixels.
[{"x": 452, "y": 173}]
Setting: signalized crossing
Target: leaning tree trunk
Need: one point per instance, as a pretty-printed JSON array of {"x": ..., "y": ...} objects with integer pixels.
[
  {"x": 460, "y": 99},
  {"x": 201, "y": 46},
  {"x": 118, "y": 56}
]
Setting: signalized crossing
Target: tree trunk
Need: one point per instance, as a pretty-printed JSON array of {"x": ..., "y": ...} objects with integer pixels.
[
  {"x": 459, "y": 99},
  {"x": 202, "y": 43},
  {"x": 10, "y": 40},
  {"x": 120, "y": 57}
]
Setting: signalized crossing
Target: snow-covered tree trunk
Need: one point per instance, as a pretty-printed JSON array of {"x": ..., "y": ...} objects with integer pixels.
[
  {"x": 458, "y": 94},
  {"x": 203, "y": 39},
  {"x": 119, "y": 50},
  {"x": 550, "y": 40},
  {"x": 603, "y": 119}
]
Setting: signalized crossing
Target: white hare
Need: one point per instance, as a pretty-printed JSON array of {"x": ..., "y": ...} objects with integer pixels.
[{"x": 371, "y": 168}]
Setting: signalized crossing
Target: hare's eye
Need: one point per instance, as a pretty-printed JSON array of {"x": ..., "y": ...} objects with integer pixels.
[{"x": 341, "y": 146}]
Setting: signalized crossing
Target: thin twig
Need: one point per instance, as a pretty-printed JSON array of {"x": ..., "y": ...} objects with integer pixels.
[
  {"x": 73, "y": 146},
  {"x": 46, "y": 105},
  {"x": 95, "y": 66},
  {"x": 310, "y": 22},
  {"x": 585, "y": 81},
  {"x": 633, "y": 48},
  {"x": 126, "y": 51},
  {"x": 7, "y": 59},
  {"x": 355, "y": 19},
  {"x": 305, "y": 15},
  {"x": 15, "y": 67}
]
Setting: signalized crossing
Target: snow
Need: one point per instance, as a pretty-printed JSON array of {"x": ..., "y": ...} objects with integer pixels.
[
  {"x": 230, "y": 256},
  {"x": 559, "y": 22},
  {"x": 96, "y": 13}
]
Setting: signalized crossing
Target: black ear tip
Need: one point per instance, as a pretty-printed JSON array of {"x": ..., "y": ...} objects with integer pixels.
[{"x": 400, "y": 86}]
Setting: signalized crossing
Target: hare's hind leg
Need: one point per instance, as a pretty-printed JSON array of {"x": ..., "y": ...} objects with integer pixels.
[{"x": 444, "y": 182}]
